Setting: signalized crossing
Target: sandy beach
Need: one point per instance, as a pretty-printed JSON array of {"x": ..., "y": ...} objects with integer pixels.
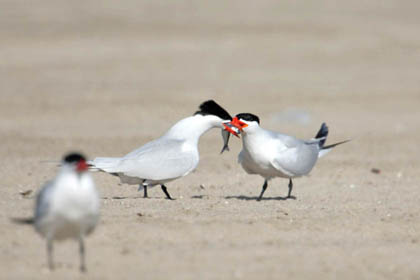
[{"x": 106, "y": 77}]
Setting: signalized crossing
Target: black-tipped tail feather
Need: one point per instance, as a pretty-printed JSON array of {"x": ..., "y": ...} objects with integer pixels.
[
  {"x": 324, "y": 150},
  {"x": 322, "y": 134},
  {"x": 322, "y": 137},
  {"x": 335, "y": 144}
]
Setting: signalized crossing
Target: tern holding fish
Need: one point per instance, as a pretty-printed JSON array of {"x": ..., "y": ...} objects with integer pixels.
[{"x": 172, "y": 156}]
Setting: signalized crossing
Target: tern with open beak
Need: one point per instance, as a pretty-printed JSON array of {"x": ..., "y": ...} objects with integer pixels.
[
  {"x": 271, "y": 154},
  {"x": 172, "y": 156}
]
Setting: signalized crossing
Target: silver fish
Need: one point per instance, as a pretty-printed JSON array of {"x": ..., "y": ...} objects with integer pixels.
[
  {"x": 229, "y": 129},
  {"x": 226, "y": 136}
]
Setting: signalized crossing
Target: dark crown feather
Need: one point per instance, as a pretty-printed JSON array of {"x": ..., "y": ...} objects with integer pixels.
[
  {"x": 210, "y": 107},
  {"x": 73, "y": 158},
  {"x": 248, "y": 117}
]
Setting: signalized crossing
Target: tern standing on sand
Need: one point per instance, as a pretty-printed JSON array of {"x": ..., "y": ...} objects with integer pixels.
[
  {"x": 172, "y": 156},
  {"x": 67, "y": 206},
  {"x": 271, "y": 154}
]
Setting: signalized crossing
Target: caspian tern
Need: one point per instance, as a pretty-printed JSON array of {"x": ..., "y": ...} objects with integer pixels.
[
  {"x": 173, "y": 155},
  {"x": 271, "y": 154},
  {"x": 67, "y": 206}
]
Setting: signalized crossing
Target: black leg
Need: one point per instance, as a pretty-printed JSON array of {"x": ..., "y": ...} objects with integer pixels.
[
  {"x": 264, "y": 187},
  {"x": 145, "y": 191},
  {"x": 166, "y": 192},
  {"x": 82, "y": 254},
  {"x": 50, "y": 253},
  {"x": 290, "y": 190},
  {"x": 144, "y": 186}
]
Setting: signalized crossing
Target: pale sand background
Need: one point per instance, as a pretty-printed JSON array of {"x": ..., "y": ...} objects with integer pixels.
[{"x": 104, "y": 77}]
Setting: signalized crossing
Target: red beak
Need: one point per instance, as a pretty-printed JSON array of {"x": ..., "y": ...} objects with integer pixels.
[
  {"x": 236, "y": 123},
  {"x": 81, "y": 166},
  {"x": 228, "y": 126},
  {"x": 239, "y": 124}
]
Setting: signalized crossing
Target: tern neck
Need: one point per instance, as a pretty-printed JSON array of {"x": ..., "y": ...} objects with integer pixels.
[
  {"x": 251, "y": 133},
  {"x": 193, "y": 127}
]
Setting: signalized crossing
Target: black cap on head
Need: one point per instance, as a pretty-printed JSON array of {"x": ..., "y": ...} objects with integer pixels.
[
  {"x": 248, "y": 117},
  {"x": 73, "y": 158},
  {"x": 212, "y": 108}
]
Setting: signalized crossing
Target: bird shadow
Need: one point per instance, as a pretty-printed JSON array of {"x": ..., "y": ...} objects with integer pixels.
[
  {"x": 244, "y": 197},
  {"x": 199, "y": 196},
  {"x": 129, "y": 197},
  {"x": 121, "y": 197}
]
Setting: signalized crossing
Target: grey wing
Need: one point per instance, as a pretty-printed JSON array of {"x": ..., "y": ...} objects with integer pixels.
[
  {"x": 295, "y": 157},
  {"x": 283, "y": 140},
  {"x": 145, "y": 148},
  {"x": 43, "y": 200},
  {"x": 158, "y": 160}
]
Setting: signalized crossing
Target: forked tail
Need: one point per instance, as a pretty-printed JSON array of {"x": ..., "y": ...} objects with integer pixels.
[{"x": 322, "y": 135}]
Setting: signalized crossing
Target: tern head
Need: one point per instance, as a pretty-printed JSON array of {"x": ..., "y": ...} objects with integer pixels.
[
  {"x": 242, "y": 122},
  {"x": 76, "y": 161},
  {"x": 209, "y": 115},
  {"x": 211, "y": 108}
]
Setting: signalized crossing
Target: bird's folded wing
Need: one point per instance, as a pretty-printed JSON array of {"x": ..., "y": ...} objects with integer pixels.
[
  {"x": 43, "y": 200},
  {"x": 158, "y": 160},
  {"x": 285, "y": 161},
  {"x": 296, "y": 161}
]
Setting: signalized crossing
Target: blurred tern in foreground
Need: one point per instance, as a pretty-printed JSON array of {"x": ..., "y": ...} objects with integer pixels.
[
  {"x": 67, "y": 206},
  {"x": 271, "y": 154},
  {"x": 173, "y": 155}
]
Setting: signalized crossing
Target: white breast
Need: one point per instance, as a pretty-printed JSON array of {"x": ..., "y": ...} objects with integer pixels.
[
  {"x": 257, "y": 156},
  {"x": 71, "y": 208}
]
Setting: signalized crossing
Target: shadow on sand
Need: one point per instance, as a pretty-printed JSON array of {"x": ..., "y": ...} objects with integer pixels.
[
  {"x": 199, "y": 196},
  {"x": 131, "y": 197},
  {"x": 244, "y": 197}
]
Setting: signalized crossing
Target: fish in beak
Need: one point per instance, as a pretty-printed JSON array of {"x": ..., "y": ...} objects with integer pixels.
[
  {"x": 230, "y": 127},
  {"x": 225, "y": 136},
  {"x": 235, "y": 126}
]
